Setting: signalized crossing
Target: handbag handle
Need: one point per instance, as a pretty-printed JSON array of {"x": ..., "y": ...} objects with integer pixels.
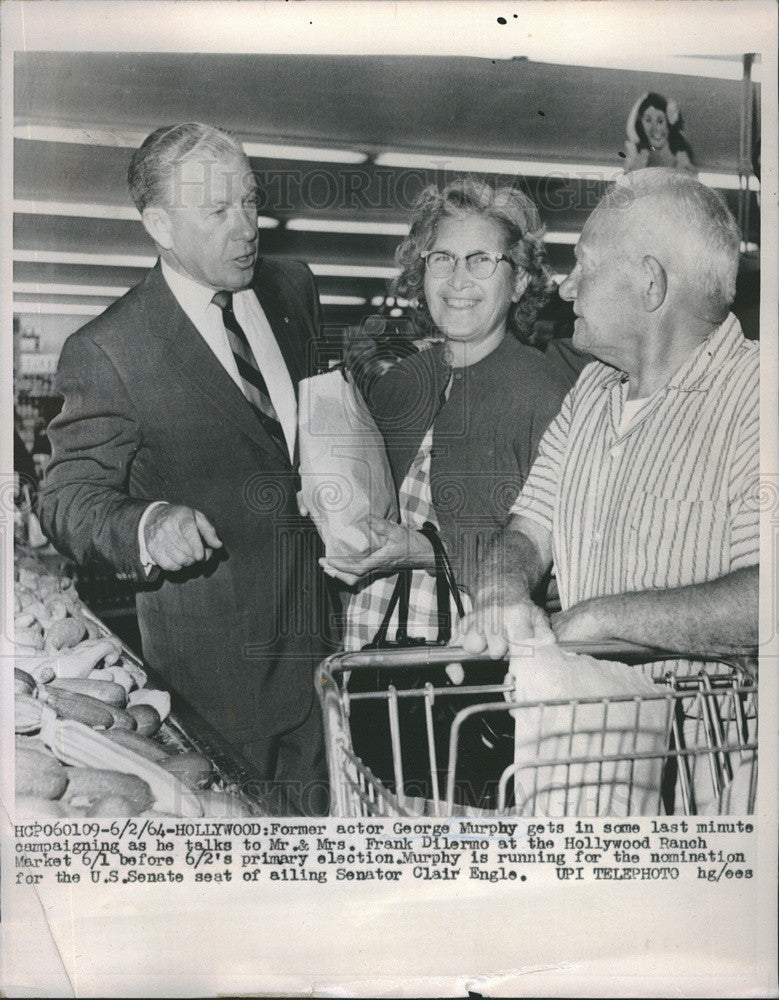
[
  {"x": 445, "y": 585},
  {"x": 399, "y": 598}
]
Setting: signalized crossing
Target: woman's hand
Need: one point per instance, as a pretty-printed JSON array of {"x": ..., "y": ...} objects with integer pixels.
[{"x": 393, "y": 547}]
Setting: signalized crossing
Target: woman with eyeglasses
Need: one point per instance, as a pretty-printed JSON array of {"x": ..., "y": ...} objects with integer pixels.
[{"x": 461, "y": 416}]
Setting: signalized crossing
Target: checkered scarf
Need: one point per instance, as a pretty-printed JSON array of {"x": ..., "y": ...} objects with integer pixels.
[{"x": 369, "y": 604}]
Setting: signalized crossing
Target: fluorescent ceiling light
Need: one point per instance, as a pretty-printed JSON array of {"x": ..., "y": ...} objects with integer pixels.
[
  {"x": 57, "y": 309},
  {"x": 93, "y": 259},
  {"x": 712, "y": 67},
  {"x": 82, "y": 210},
  {"x": 84, "y": 136},
  {"x": 348, "y": 226},
  {"x": 88, "y": 136},
  {"x": 126, "y": 260},
  {"x": 39, "y": 288},
  {"x": 271, "y": 151},
  {"x": 479, "y": 165},
  {"x": 353, "y": 271},
  {"x": 728, "y": 182},
  {"x": 108, "y": 292},
  {"x": 570, "y": 239},
  {"x": 536, "y": 168},
  {"x": 76, "y": 209},
  {"x": 721, "y": 68},
  {"x": 87, "y": 309},
  {"x": 342, "y": 300}
]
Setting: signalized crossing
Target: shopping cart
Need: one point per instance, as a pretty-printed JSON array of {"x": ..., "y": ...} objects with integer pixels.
[{"x": 704, "y": 761}]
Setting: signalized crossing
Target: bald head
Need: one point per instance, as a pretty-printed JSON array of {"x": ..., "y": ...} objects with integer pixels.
[{"x": 685, "y": 227}]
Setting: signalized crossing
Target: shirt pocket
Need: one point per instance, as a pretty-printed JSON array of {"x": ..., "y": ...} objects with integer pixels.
[{"x": 675, "y": 542}]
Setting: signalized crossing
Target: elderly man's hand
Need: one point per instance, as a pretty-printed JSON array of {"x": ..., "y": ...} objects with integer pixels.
[
  {"x": 393, "y": 547},
  {"x": 589, "y": 621},
  {"x": 178, "y": 536},
  {"x": 500, "y": 629}
]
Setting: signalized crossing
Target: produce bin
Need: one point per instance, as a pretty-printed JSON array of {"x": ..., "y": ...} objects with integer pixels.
[{"x": 224, "y": 783}]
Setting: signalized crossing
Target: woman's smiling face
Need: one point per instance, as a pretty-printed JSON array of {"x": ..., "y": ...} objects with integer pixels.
[
  {"x": 464, "y": 308},
  {"x": 656, "y": 127}
]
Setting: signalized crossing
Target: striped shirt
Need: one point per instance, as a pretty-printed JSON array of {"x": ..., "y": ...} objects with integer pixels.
[{"x": 668, "y": 501}]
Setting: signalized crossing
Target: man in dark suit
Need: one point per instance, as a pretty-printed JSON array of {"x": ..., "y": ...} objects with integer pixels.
[{"x": 174, "y": 458}]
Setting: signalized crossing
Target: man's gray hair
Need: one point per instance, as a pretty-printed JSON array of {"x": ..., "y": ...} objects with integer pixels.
[
  {"x": 696, "y": 221},
  {"x": 150, "y": 173}
]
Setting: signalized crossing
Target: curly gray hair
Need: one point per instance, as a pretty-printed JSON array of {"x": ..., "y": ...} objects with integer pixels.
[{"x": 514, "y": 212}]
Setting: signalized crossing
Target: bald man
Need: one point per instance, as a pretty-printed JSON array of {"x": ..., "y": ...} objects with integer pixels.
[{"x": 642, "y": 495}]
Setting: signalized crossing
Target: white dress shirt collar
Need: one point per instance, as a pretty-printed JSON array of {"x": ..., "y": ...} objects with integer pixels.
[
  {"x": 195, "y": 300},
  {"x": 193, "y": 297}
]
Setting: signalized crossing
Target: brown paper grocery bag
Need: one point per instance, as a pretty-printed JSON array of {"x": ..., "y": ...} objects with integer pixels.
[
  {"x": 579, "y": 741},
  {"x": 344, "y": 471}
]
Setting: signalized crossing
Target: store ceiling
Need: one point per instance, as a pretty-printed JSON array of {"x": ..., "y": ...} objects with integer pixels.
[{"x": 70, "y": 196}]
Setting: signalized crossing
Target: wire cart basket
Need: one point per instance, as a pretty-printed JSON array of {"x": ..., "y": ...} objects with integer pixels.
[{"x": 417, "y": 745}]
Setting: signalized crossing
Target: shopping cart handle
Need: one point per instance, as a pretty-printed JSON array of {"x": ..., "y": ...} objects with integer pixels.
[{"x": 625, "y": 652}]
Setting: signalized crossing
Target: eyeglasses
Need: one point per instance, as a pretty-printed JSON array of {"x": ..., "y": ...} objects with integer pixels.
[{"x": 481, "y": 264}]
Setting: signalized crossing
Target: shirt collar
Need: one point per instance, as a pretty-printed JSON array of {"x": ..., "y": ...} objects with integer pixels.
[
  {"x": 193, "y": 297},
  {"x": 701, "y": 367},
  {"x": 718, "y": 348}
]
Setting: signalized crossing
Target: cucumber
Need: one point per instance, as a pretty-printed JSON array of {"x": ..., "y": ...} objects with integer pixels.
[
  {"x": 190, "y": 767},
  {"x": 93, "y": 784},
  {"x": 33, "y": 807},
  {"x": 106, "y": 691},
  {"x": 112, "y": 805},
  {"x": 122, "y": 719},
  {"x": 39, "y": 775},
  {"x": 23, "y": 682},
  {"x": 147, "y": 719},
  {"x": 143, "y": 746},
  {"x": 78, "y": 707},
  {"x": 27, "y": 714}
]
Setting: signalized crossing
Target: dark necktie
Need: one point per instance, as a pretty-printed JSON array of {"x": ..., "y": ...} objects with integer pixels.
[{"x": 253, "y": 384}]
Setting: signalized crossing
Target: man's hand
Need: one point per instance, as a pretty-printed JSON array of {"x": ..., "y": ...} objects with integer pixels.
[
  {"x": 500, "y": 629},
  {"x": 588, "y": 621},
  {"x": 178, "y": 536},
  {"x": 393, "y": 547}
]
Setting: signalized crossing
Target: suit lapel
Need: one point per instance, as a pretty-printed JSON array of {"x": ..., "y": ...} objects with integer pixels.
[{"x": 197, "y": 363}]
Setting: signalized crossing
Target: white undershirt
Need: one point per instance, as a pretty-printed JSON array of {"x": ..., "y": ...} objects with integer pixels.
[
  {"x": 206, "y": 317},
  {"x": 630, "y": 410}
]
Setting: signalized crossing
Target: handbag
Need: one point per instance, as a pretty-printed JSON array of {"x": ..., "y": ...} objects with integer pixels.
[
  {"x": 446, "y": 585},
  {"x": 370, "y": 726}
]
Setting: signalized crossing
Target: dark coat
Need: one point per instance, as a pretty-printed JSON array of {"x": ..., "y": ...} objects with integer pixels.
[{"x": 150, "y": 414}]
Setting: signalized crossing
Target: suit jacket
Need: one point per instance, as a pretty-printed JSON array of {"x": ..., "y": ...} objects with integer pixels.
[{"x": 150, "y": 414}]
